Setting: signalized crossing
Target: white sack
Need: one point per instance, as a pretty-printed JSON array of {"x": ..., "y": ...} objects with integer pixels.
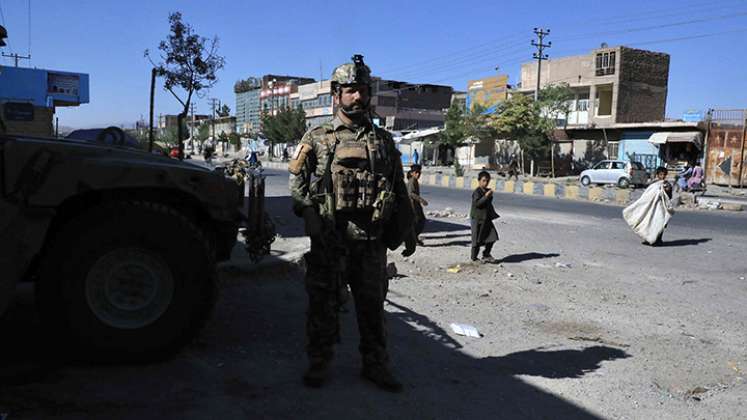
[{"x": 648, "y": 215}]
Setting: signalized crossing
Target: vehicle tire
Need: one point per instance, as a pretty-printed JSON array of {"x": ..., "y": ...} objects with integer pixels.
[
  {"x": 585, "y": 181},
  {"x": 127, "y": 281},
  {"x": 623, "y": 182}
]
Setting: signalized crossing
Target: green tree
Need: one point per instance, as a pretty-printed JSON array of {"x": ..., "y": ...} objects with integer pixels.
[
  {"x": 555, "y": 101},
  {"x": 287, "y": 126},
  {"x": 454, "y": 131},
  {"x": 168, "y": 136},
  {"x": 477, "y": 124},
  {"x": 224, "y": 111},
  {"x": 235, "y": 140},
  {"x": 186, "y": 63},
  {"x": 520, "y": 119},
  {"x": 247, "y": 84},
  {"x": 203, "y": 132}
]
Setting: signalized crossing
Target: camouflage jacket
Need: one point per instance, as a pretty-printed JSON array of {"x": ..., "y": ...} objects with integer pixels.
[{"x": 309, "y": 161}]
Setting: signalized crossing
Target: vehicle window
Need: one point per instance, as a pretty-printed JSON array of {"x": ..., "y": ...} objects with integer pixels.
[
  {"x": 602, "y": 165},
  {"x": 618, "y": 165}
]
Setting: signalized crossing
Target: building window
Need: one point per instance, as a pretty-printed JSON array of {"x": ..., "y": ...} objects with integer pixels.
[
  {"x": 605, "y": 63},
  {"x": 612, "y": 148}
]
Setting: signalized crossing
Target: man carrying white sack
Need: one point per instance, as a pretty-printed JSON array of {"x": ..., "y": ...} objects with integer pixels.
[{"x": 649, "y": 215}]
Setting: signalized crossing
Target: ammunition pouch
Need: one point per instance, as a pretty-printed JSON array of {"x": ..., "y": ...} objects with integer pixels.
[{"x": 354, "y": 190}]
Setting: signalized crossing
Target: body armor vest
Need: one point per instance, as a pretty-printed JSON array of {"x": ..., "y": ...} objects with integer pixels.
[{"x": 359, "y": 174}]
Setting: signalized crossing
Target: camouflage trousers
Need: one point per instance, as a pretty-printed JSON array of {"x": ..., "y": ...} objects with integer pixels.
[{"x": 363, "y": 267}]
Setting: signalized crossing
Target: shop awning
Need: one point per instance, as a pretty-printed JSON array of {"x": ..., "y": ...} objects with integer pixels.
[
  {"x": 664, "y": 137},
  {"x": 419, "y": 135}
]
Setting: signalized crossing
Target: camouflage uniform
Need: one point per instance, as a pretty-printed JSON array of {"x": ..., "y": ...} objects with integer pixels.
[{"x": 351, "y": 249}]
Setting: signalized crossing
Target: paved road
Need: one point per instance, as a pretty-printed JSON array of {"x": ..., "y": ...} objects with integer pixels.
[
  {"x": 579, "y": 321},
  {"x": 733, "y": 223}
]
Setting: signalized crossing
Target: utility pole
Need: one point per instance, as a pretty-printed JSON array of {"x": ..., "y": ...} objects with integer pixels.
[
  {"x": 17, "y": 57},
  {"x": 213, "y": 108},
  {"x": 192, "y": 127},
  {"x": 153, "y": 75},
  {"x": 540, "y": 55}
]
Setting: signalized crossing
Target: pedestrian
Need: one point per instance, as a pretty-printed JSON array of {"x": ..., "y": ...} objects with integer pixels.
[
  {"x": 513, "y": 168},
  {"x": 649, "y": 215},
  {"x": 693, "y": 183},
  {"x": 355, "y": 209},
  {"x": 415, "y": 157},
  {"x": 413, "y": 189},
  {"x": 681, "y": 180},
  {"x": 285, "y": 154},
  {"x": 481, "y": 216}
]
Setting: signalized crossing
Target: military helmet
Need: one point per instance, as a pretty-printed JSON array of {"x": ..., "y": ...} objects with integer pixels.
[{"x": 355, "y": 73}]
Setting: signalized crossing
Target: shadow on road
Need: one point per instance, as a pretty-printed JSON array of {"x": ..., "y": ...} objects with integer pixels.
[
  {"x": 248, "y": 361},
  {"x": 517, "y": 258},
  {"x": 684, "y": 242},
  {"x": 443, "y": 244},
  {"x": 288, "y": 225},
  {"x": 438, "y": 226}
]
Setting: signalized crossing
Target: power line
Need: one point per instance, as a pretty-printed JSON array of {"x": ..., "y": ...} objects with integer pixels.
[
  {"x": 457, "y": 53},
  {"x": 656, "y": 27},
  {"x": 462, "y": 63},
  {"x": 465, "y": 56},
  {"x": 565, "y": 52}
]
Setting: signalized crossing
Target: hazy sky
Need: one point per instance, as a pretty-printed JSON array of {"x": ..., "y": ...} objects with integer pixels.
[{"x": 445, "y": 42}]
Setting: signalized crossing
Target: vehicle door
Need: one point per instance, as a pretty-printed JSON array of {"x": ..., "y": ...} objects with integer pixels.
[
  {"x": 617, "y": 171},
  {"x": 600, "y": 172}
]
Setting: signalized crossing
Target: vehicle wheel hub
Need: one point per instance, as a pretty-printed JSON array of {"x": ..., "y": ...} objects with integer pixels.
[{"x": 129, "y": 288}]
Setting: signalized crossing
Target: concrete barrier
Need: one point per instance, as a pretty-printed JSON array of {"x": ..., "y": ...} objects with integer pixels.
[
  {"x": 572, "y": 192},
  {"x": 596, "y": 194},
  {"x": 547, "y": 189}
]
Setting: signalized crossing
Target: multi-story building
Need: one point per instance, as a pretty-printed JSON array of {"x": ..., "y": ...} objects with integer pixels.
[
  {"x": 316, "y": 101},
  {"x": 276, "y": 92},
  {"x": 610, "y": 85},
  {"x": 405, "y": 106},
  {"x": 167, "y": 122},
  {"x": 248, "y": 111},
  {"x": 270, "y": 94}
]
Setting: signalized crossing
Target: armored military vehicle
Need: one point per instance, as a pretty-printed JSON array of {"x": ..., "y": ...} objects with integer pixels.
[{"x": 122, "y": 244}]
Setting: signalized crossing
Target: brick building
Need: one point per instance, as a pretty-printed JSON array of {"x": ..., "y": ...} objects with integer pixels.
[{"x": 611, "y": 85}]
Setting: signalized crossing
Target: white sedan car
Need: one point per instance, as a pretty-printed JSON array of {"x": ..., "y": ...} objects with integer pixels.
[{"x": 618, "y": 172}]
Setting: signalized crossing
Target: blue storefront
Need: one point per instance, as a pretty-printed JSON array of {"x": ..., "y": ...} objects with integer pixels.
[
  {"x": 634, "y": 145},
  {"x": 28, "y": 97}
]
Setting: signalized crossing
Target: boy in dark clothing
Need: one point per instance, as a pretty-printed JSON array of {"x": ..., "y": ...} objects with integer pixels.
[
  {"x": 413, "y": 189},
  {"x": 482, "y": 215}
]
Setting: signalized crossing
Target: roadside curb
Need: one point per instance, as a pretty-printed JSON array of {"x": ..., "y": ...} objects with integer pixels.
[
  {"x": 559, "y": 190},
  {"x": 545, "y": 189}
]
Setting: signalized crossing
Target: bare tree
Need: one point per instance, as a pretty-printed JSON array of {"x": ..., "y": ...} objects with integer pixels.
[{"x": 187, "y": 64}]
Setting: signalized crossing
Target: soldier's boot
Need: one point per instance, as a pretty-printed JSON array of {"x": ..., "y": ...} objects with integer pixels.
[
  {"x": 317, "y": 374},
  {"x": 382, "y": 377}
]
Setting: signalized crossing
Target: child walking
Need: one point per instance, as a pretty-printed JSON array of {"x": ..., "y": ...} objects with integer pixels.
[{"x": 481, "y": 216}]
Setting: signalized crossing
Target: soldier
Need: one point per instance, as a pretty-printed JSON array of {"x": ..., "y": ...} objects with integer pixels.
[{"x": 347, "y": 184}]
